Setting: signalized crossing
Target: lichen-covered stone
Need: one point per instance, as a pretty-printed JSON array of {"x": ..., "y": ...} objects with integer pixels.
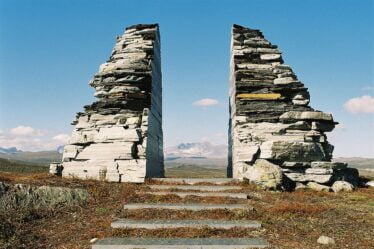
[
  {"x": 339, "y": 186},
  {"x": 265, "y": 174},
  {"x": 22, "y": 195},
  {"x": 318, "y": 187}
]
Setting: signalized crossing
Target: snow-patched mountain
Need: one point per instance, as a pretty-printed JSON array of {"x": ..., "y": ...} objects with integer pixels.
[
  {"x": 204, "y": 149},
  {"x": 60, "y": 149},
  {"x": 10, "y": 150}
]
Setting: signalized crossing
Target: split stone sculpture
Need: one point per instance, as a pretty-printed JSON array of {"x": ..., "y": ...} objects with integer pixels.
[
  {"x": 119, "y": 137},
  {"x": 273, "y": 132}
]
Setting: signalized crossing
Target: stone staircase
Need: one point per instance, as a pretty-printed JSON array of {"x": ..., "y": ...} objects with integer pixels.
[{"x": 204, "y": 189}]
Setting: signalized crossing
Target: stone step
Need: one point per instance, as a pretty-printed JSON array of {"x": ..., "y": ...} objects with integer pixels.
[
  {"x": 198, "y": 180},
  {"x": 160, "y": 224},
  {"x": 201, "y": 194},
  {"x": 185, "y": 206},
  {"x": 195, "y": 187},
  {"x": 180, "y": 243}
]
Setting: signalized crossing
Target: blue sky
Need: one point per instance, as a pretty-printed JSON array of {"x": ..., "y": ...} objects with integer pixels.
[{"x": 49, "y": 50}]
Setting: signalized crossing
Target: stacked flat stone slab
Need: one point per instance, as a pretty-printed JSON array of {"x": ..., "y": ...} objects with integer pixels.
[
  {"x": 270, "y": 116},
  {"x": 119, "y": 137}
]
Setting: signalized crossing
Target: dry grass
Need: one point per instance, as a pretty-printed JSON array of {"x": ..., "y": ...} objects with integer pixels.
[
  {"x": 290, "y": 220},
  {"x": 297, "y": 208}
]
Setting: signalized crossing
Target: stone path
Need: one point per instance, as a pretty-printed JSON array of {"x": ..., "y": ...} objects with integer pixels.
[
  {"x": 156, "y": 224},
  {"x": 202, "y": 194},
  {"x": 206, "y": 188}
]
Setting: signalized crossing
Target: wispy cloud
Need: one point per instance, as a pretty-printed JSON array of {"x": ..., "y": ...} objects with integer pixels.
[
  {"x": 24, "y": 131},
  {"x": 62, "y": 138},
  {"x": 27, "y": 138},
  {"x": 368, "y": 88},
  {"x": 205, "y": 102},
  {"x": 363, "y": 104}
]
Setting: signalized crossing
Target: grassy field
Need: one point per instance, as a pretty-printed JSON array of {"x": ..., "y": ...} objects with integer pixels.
[
  {"x": 41, "y": 157},
  {"x": 193, "y": 171},
  {"x": 17, "y": 167},
  {"x": 290, "y": 220},
  {"x": 182, "y": 171}
]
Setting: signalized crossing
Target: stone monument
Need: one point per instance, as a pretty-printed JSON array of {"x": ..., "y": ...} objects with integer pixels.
[
  {"x": 274, "y": 135},
  {"x": 119, "y": 137}
]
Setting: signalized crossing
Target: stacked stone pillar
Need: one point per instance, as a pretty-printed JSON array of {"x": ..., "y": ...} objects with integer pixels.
[
  {"x": 119, "y": 137},
  {"x": 271, "y": 123}
]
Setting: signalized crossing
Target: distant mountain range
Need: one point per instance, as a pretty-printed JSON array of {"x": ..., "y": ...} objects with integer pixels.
[
  {"x": 10, "y": 150},
  {"x": 207, "y": 155},
  {"x": 60, "y": 149},
  {"x": 39, "y": 157},
  {"x": 196, "y": 150}
]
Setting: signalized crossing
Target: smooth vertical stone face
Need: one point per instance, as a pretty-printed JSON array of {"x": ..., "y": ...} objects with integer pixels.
[
  {"x": 119, "y": 137},
  {"x": 270, "y": 116}
]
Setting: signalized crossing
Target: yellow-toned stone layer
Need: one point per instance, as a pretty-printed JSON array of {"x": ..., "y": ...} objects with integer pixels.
[{"x": 259, "y": 96}]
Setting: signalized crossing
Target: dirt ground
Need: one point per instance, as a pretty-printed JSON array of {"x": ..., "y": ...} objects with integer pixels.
[{"x": 290, "y": 220}]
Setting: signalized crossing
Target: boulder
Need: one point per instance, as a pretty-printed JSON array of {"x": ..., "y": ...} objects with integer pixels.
[
  {"x": 370, "y": 184},
  {"x": 22, "y": 195},
  {"x": 324, "y": 240},
  {"x": 318, "y": 187},
  {"x": 339, "y": 186},
  {"x": 265, "y": 174}
]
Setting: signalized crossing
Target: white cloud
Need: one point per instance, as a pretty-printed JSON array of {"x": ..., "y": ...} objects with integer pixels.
[
  {"x": 363, "y": 104},
  {"x": 205, "y": 102},
  {"x": 27, "y": 138},
  {"x": 63, "y": 138},
  {"x": 23, "y": 131}
]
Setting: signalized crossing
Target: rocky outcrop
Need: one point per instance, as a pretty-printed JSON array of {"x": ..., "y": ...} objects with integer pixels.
[
  {"x": 270, "y": 117},
  {"x": 22, "y": 195},
  {"x": 339, "y": 186},
  {"x": 265, "y": 174},
  {"x": 119, "y": 137}
]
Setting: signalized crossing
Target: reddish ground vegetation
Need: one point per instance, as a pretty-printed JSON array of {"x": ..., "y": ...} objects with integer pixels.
[{"x": 290, "y": 220}]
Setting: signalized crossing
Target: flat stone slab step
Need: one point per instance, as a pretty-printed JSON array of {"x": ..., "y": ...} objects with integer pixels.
[
  {"x": 201, "y": 194},
  {"x": 198, "y": 180},
  {"x": 180, "y": 243},
  {"x": 160, "y": 224},
  {"x": 184, "y": 206},
  {"x": 195, "y": 187}
]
